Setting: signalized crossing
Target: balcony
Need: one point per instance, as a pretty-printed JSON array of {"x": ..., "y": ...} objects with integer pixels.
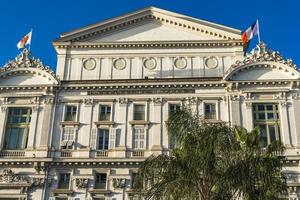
[
  {"x": 138, "y": 153},
  {"x": 101, "y": 154},
  {"x": 12, "y": 153}
]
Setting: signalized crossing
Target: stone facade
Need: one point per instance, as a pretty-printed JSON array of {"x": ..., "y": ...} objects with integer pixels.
[{"x": 80, "y": 133}]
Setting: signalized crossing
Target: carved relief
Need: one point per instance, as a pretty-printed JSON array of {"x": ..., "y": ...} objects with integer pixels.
[
  {"x": 89, "y": 64},
  {"x": 88, "y": 101},
  {"x": 191, "y": 100},
  {"x": 180, "y": 62},
  {"x": 123, "y": 100},
  {"x": 119, "y": 183},
  {"x": 81, "y": 182},
  {"x": 119, "y": 63},
  {"x": 211, "y": 62},
  {"x": 150, "y": 63},
  {"x": 24, "y": 61},
  {"x": 37, "y": 182},
  {"x": 8, "y": 176},
  {"x": 261, "y": 54},
  {"x": 235, "y": 97},
  {"x": 157, "y": 100}
]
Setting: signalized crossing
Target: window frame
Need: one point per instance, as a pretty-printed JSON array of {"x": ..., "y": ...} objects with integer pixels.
[
  {"x": 139, "y": 112},
  {"x": 100, "y": 112},
  {"x": 138, "y": 140},
  {"x": 211, "y": 115},
  {"x": 103, "y": 142},
  {"x": 20, "y": 125},
  {"x": 170, "y": 112},
  {"x": 67, "y": 185},
  {"x": 274, "y": 122},
  {"x": 66, "y": 113},
  {"x": 96, "y": 185}
]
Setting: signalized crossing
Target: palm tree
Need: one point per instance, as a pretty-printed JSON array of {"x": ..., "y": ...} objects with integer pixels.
[{"x": 212, "y": 161}]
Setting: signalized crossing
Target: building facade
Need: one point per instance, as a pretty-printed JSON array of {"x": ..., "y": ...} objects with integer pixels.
[{"x": 80, "y": 133}]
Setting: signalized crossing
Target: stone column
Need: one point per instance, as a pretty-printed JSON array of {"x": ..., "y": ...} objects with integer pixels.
[
  {"x": 122, "y": 119},
  {"x": 235, "y": 111},
  {"x": 155, "y": 133},
  {"x": 46, "y": 125},
  {"x": 249, "y": 116},
  {"x": 296, "y": 120},
  {"x": 83, "y": 134},
  {"x": 284, "y": 129},
  {"x": 33, "y": 127}
]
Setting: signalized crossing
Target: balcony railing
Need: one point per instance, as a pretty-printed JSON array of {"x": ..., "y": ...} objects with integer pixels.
[
  {"x": 12, "y": 153},
  {"x": 65, "y": 154},
  {"x": 138, "y": 153},
  {"x": 100, "y": 154}
]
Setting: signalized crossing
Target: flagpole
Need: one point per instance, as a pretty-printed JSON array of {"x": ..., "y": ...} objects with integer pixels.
[
  {"x": 29, "y": 46},
  {"x": 258, "y": 35}
]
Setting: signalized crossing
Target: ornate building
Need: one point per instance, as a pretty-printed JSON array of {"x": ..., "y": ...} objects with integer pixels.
[{"x": 81, "y": 132}]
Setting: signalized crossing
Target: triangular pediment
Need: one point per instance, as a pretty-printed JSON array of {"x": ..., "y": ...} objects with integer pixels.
[
  {"x": 151, "y": 31},
  {"x": 151, "y": 24}
]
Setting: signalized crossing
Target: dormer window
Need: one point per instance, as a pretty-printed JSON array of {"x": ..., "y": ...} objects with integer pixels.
[
  {"x": 71, "y": 112},
  {"x": 139, "y": 112},
  {"x": 105, "y": 112}
]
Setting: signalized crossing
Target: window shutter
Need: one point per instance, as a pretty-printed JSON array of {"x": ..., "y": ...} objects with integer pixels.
[
  {"x": 112, "y": 138},
  {"x": 118, "y": 137},
  {"x": 93, "y": 140}
]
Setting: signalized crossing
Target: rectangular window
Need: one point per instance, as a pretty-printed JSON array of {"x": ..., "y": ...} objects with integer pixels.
[
  {"x": 139, "y": 112},
  {"x": 67, "y": 137},
  {"x": 71, "y": 112},
  {"x": 266, "y": 117},
  {"x": 209, "y": 110},
  {"x": 173, "y": 108},
  {"x": 103, "y": 139},
  {"x": 105, "y": 112},
  {"x": 17, "y": 128},
  {"x": 64, "y": 181},
  {"x": 133, "y": 180},
  {"x": 139, "y": 140},
  {"x": 100, "y": 181}
]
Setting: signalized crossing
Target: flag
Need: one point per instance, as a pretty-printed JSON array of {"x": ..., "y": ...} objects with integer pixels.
[
  {"x": 25, "y": 41},
  {"x": 249, "y": 33}
]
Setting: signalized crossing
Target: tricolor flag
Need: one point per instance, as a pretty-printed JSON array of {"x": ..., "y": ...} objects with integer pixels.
[
  {"x": 25, "y": 40},
  {"x": 249, "y": 33}
]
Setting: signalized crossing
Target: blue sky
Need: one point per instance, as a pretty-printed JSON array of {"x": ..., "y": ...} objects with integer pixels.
[{"x": 279, "y": 20}]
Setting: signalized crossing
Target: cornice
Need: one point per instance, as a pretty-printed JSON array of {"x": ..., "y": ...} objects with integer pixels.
[
  {"x": 149, "y": 44},
  {"x": 151, "y": 14}
]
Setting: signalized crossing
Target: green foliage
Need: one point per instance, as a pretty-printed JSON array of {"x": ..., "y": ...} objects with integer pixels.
[{"x": 212, "y": 162}]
